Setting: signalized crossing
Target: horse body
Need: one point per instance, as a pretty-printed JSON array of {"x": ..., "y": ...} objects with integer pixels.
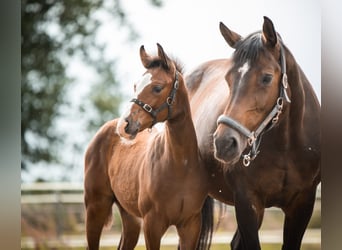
[
  {"x": 156, "y": 176},
  {"x": 286, "y": 171}
]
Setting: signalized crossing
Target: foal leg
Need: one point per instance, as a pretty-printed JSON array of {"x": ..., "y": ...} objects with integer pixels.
[
  {"x": 189, "y": 232},
  {"x": 297, "y": 217},
  {"x": 98, "y": 210},
  {"x": 130, "y": 230},
  {"x": 154, "y": 228}
]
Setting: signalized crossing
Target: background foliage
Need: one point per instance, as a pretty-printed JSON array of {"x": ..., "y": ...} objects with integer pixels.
[{"x": 53, "y": 33}]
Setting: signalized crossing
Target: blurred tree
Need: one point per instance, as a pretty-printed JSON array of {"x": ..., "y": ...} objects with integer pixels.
[{"x": 53, "y": 31}]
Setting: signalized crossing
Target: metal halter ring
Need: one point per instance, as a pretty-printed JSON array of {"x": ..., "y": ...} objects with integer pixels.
[
  {"x": 246, "y": 160},
  {"x": 251, "y": 139}
]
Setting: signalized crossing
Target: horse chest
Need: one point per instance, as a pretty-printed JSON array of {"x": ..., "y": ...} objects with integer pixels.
[{"x": 177, "y": 193}]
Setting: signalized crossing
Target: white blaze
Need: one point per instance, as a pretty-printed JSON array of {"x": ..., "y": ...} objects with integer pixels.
[
  {"x": 243, "y": 70},
  {"x": 139, "y": 86},
  {"x": 142, "y": 83}
]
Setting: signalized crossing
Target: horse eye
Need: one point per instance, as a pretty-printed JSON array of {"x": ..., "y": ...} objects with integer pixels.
[
  {"x": 266, "y": 79},
  {"x": 157, "y": 89}
]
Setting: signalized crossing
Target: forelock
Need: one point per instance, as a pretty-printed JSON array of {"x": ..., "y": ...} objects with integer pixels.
[{"x": 248, "y": 49}]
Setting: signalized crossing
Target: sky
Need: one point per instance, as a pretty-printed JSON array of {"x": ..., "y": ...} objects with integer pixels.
[{"x": 188, "y": 30}]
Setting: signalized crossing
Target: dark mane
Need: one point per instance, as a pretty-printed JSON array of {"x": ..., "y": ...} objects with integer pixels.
[
  {"x": 248, "y": 48},
  {"x": 179, "y": 65},
  {"x": 158, "y": 63}
]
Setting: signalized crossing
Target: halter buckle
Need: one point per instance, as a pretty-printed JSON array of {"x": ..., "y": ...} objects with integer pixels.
[
  {"x": 176, "y": 85},
  {"x": 169, "y": 101},
  {"x": 147, "y": 108},
  {"x": 284, "y": 81}
]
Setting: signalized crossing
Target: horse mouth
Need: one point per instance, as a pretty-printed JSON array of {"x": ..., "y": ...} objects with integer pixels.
[
  {"x": 226, "y": 157},
  {"x": 132, "y": 132}
]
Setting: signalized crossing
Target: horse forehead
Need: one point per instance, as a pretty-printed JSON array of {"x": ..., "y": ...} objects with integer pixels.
[
  {"x": 244, "y": 69},
  {"x": 143, "y": 82}
]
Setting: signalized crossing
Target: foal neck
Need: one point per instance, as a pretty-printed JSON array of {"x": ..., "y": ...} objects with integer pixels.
[{"x": 180, "y": 133}]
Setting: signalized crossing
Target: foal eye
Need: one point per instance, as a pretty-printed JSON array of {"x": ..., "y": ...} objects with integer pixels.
[
  {"x": 266, "y": 79},
  {"x": 157, "y": 89}
]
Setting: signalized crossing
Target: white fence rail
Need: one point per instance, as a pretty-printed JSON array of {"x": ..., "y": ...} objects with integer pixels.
[
  {"x": 63, "y": 192},
  {"x": 60, "y": 192}
]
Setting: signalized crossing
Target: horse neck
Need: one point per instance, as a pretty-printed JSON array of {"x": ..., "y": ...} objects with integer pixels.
[
  {"x": 291, "y": 126},
  {"x": 180, "y": 135}
]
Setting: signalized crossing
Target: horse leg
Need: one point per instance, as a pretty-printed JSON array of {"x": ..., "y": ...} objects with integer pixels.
[
  {"x": 246, "y": 236},
  {"x": 236, "y": 242},
  {"x": 98, "y": 211},
  {"x": 297, "y": 217},
  {"x": 154, "y": 228},
  {"x": 189, "y": 232},
  {"x": 130, "y": 230}
]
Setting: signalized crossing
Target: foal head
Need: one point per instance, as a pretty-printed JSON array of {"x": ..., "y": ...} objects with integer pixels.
[
  {"x": 257, "y": 91},
  {"x": 154, "y": 94}
]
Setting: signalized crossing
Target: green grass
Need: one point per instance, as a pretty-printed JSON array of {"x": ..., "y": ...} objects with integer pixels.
[
  {"x": 227, "y": 247},
  {"x": 213, "y": 247}
]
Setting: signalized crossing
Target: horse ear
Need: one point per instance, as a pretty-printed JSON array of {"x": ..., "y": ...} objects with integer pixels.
[
  {"x": 269, "y": 33},
  {"x": 145, "y": 58},
  {"x": 165, "y": 61},
  {"x": 230, "y": 36}
]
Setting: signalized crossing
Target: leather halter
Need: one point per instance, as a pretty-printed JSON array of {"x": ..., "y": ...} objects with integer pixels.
[
  {"x": 254, "y": 137},
  {"x": 167, "y": 104}
]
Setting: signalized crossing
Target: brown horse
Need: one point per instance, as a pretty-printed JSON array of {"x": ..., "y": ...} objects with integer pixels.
[
  {"x": 265, "y": 149},
  {"x": 156, "y": 176}
]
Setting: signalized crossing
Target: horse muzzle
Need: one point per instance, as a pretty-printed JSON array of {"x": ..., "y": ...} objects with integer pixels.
[
  {"x": 128, "y": 128},
  {"x": 132, "y": 127},
  {"x": 228, "y": 145}
]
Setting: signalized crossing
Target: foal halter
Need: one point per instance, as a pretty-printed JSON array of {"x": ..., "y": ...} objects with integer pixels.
[
  {"x": 167, "y": 104},
  {"x": 254, "y": 137}
]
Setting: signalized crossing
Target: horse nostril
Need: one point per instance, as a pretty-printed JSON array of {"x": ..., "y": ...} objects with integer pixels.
[
  {"x": 231, "y": 143},
  {"x": 225, "y": 143},
  {"x": 127, "y": 125}
]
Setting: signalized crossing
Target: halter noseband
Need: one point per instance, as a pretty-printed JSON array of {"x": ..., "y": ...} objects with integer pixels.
[
  {"x": 167, "y": 104},
  {"x": 254, "y": 137}
]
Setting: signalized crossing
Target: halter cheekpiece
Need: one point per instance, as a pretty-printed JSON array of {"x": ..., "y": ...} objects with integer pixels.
[
  {"x": 167, "y": 104},
  {"x": 254, "y": 137}
]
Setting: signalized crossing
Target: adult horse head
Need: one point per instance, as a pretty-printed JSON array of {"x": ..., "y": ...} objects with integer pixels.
[
  {"x": 260, "y": 111},
  {"x": 259, "y": 85}
]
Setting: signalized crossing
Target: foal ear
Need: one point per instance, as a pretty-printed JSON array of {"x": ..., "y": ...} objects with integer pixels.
[
  {"x": 145, "y": 58},
  {"x": 269, "y": 33},
  {"x": 230, "y": 36},
  {"x": 165, "y": 61}
]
